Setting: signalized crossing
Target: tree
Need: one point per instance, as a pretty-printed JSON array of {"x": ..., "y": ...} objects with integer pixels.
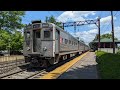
[
  {"x": 51, "y": 19},
  {"x": 4, "y": 39},
  {"x": 82, "y": 41},
  {"x": 109, "y": 36},
  {"x": 96, "y": 37},
  {"x": 16, "y": 41},
  {"x": 11, "y": 20}
]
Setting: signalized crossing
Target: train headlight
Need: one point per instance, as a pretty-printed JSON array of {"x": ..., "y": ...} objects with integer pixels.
[
  {"x": 44, "y": 49},
  {"x": 28, "y": 48}
]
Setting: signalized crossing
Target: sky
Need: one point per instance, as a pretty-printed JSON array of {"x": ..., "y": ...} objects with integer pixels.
[{"x": 86, "y": 32}]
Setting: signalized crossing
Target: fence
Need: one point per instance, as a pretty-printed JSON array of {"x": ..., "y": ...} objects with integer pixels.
[
  {"x": 11, "y": 58},
  {"x": 109, "y": 50}
]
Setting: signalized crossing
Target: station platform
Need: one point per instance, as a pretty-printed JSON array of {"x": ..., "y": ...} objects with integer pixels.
[{"x": 82, "y": 67}]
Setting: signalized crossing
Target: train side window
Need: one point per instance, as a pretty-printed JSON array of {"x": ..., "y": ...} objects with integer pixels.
[
  {"x": 72, "y": 43},
  {"x": 62, "y": 40},
  {"x": 56, "y": 34},
  {"x": 69, "y": 41},
  {"x": 46, "y": 34},
  {"x": 66, "y": 41},
  {"x": 28, "y": 35},
  {"x": 38, "y": 34}
]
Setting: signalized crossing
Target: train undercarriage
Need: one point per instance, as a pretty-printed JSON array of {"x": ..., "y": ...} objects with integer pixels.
[{"x": 44, "y": 62}]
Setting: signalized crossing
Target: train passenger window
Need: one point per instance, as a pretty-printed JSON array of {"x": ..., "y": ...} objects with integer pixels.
[
  {"x": 37, "y": 34},
  {"x": 69, "y": 41},
  {"x": 46, "y": 34},
  {"x": 72, "y": 42},
  {"x": 66, "y": 41},
  {"x": 28, "y": 35},
  {"x": 62, "y": 40},
  {"x": 56, "y": 35}
]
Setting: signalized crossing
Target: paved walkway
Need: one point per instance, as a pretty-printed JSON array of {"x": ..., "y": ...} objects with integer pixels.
[{"x": 83, "y": 69}]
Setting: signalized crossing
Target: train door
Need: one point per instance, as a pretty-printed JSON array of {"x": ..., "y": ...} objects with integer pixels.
[
  {"x": 57, "y": 40},
  {"x": 36, "y": 40}
]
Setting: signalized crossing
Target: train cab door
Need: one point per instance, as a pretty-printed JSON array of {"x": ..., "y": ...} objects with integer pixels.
[
  {"x": 57, "y": 40},
  {"x": 36, "y": 40}
]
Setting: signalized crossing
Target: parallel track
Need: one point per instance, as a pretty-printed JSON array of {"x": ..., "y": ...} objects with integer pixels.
[
  {"x": 8, "y": 66},
  {"x": 28, "y": 73},
  {"x": 25, "y": 74}
]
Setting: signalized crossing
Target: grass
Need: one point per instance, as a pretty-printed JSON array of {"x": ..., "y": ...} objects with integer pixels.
[{"x": 108, "y": 65}]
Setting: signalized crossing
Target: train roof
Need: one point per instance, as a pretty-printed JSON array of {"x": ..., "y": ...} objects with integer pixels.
[
  {"x": 67, "y": 33},
  {"x": 39, "y": 21}
]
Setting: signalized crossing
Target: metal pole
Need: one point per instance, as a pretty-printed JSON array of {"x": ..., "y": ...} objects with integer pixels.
[
  {"x": 63, "y": 26},
  {"x": 99, "y": 32},
  {"x": 112, "y": 32},
  {"x": 75, "y": 28},
  {"x": 46, "y": 19}
]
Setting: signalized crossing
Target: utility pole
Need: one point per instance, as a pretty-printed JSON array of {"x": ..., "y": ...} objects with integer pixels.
[
  {"x": 75, "y": 28},
  {"x": 99, "y": 32},
  {"x": 46, "y": 19},
  {"x": 63, "y": 26},
  {"x": 112, "y": 32}
]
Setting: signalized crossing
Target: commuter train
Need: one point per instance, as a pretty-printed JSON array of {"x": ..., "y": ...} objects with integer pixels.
[{"x": 47, "y": 44}]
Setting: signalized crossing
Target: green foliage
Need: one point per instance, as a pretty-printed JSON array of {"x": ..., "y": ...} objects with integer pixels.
[
  {"x": 109, "y": 36},
  {"x": 10, "y": 38},
  {"x": 118, "y": 52},
  {"x": 4, "y": 39},
  {"x": 16, "y": 41},
  {"x": 96, "y": 37},
  {"x": 118, "y": 47},
  {"x": 108, "y": 65},
  {"x": 11, "y": 41},
  {"x": 51, "y": 19},
  {"x": 11, "y": 20}
]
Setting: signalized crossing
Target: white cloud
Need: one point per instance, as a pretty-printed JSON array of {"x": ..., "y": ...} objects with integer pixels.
[
  {"x": 116, "y": 32},
  {"x": 103, "y": 21},
  {"x": 74, "y": 15},
  {"x": 86, "y": 36},
  {"x": 106, "y": 19},
  {"x": 89, "y": 35}
]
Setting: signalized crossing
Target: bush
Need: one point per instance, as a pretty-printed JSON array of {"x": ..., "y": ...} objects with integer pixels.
[
  {"x": 118, "y": 52},
  {"x": 108, "y": 65}
]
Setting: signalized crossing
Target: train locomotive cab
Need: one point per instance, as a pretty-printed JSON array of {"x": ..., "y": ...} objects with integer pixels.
[
  {"x": 45, "y": 43},
  {"x": 38, "y": 45}
]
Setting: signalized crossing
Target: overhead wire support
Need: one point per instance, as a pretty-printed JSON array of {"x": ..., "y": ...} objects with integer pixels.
[
  {"x": 86, "y": 22},
  {"x": 75, "y": 27},
  {"x": 112, "y": 23},
  {"x": 80, "y": 23},
  {"x": 99, "y": 32}
]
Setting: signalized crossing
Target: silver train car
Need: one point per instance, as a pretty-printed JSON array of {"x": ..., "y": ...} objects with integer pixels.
[{"x": 46, "y": 44}]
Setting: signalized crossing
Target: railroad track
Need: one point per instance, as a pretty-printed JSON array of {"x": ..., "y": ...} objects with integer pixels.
[
  {"x": 25, "y": 74},
  {"x": 29, "y": 73},
  {"x": 7, "y": 66}
]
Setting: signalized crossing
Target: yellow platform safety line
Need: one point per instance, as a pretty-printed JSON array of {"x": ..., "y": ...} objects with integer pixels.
[{"x": 58, "y": 71}]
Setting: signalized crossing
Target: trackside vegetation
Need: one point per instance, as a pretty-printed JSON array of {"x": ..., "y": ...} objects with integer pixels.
[{"x": 108, "y": 65}]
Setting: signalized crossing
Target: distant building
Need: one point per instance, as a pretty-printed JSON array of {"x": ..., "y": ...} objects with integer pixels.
[{"x": 105, "y": 45}]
